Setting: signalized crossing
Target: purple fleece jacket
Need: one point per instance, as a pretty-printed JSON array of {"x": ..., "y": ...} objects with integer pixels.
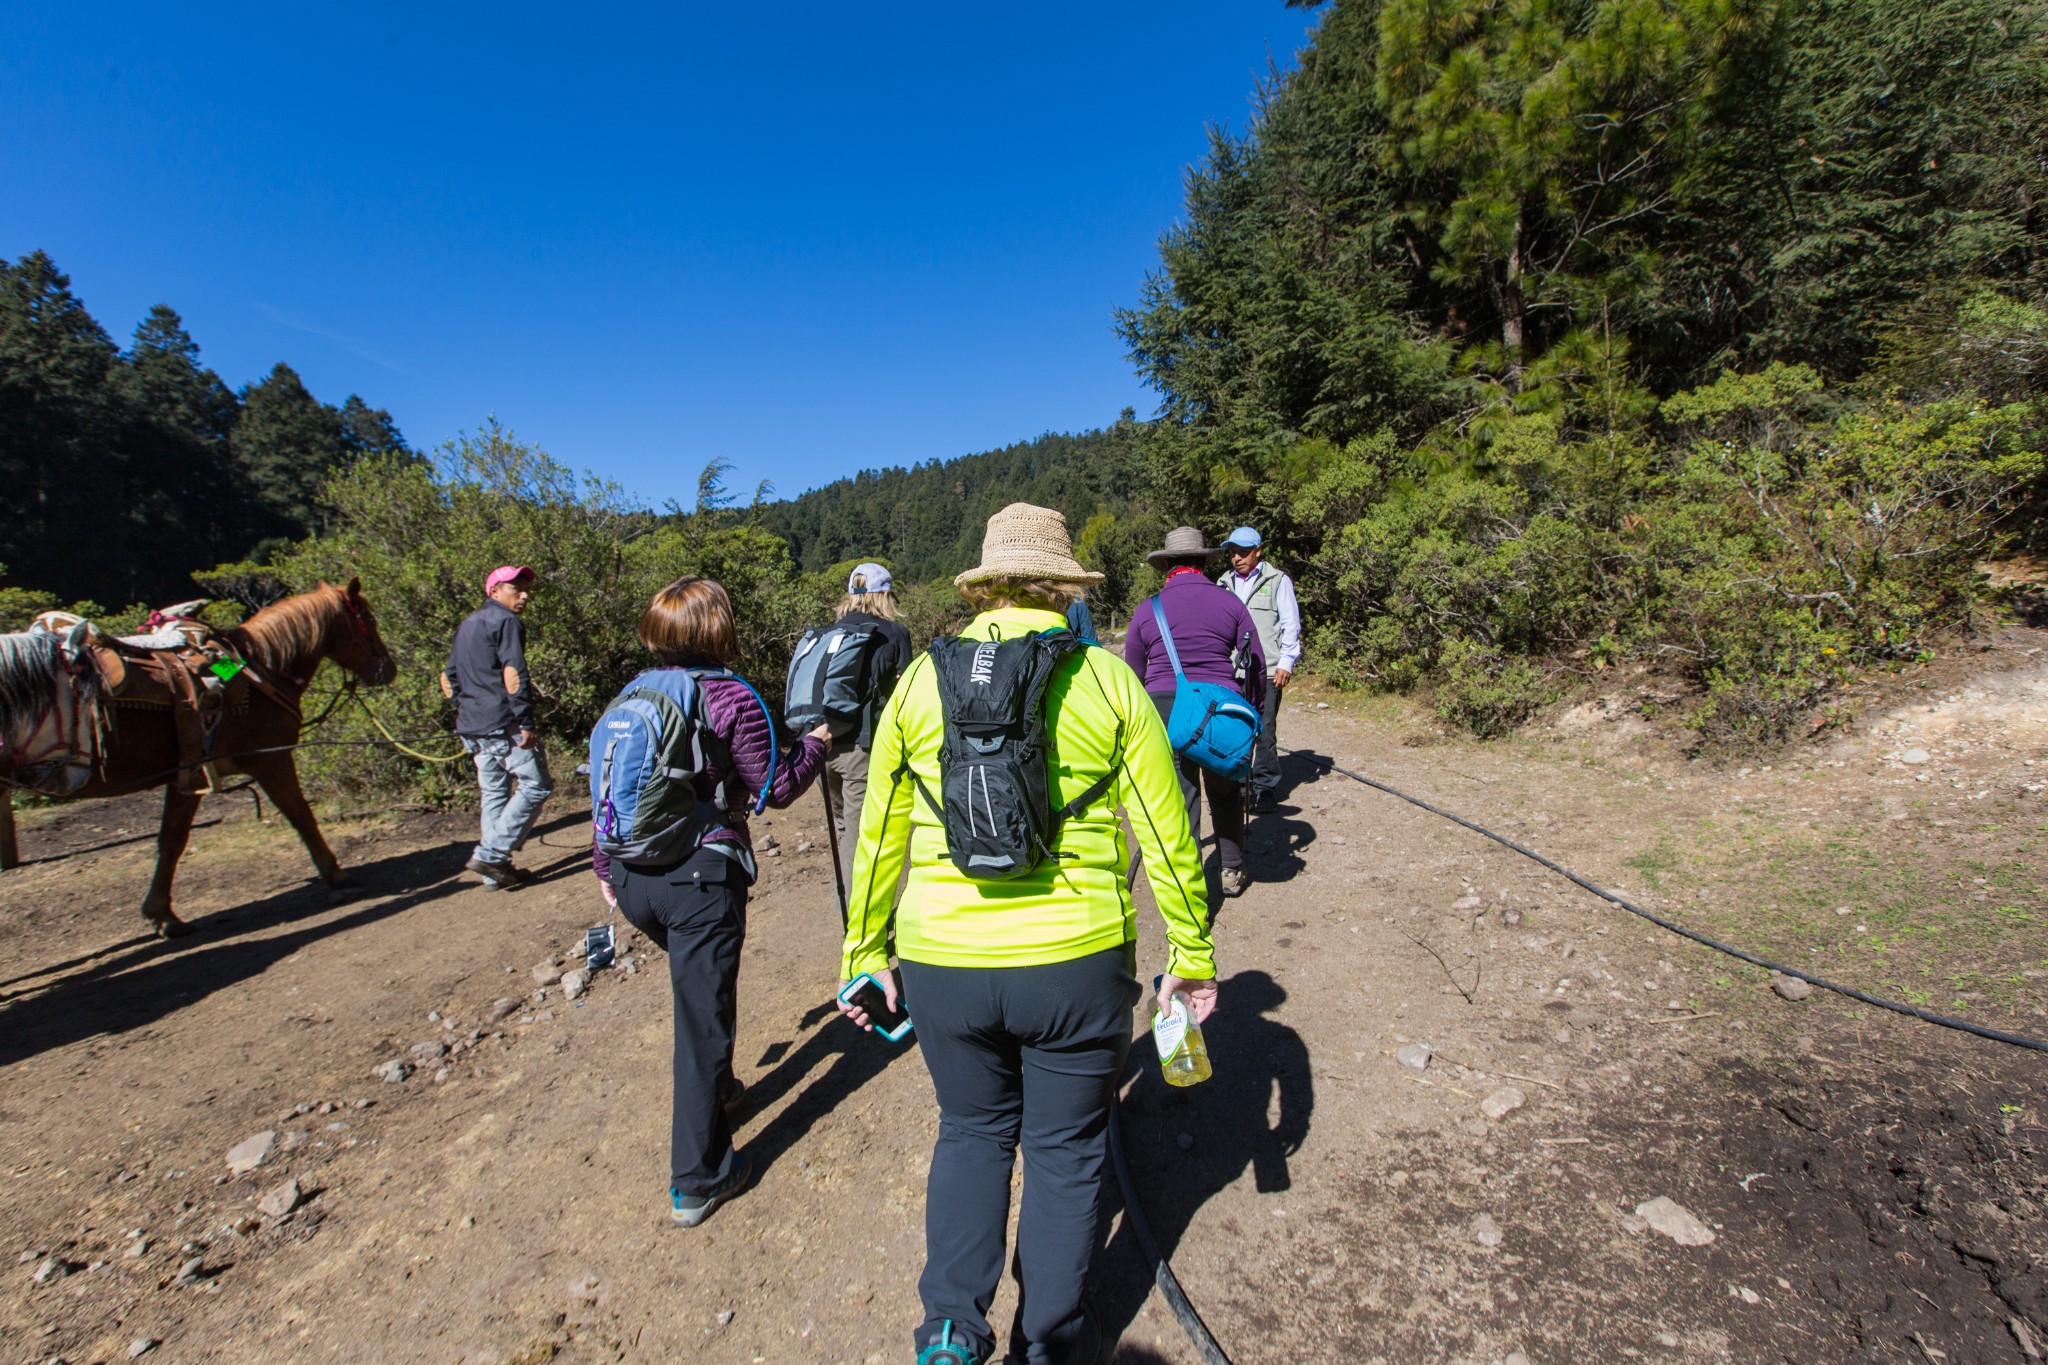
[
  {"x": 731, "y": 713},
  {"x": 1208, "y": 622}
]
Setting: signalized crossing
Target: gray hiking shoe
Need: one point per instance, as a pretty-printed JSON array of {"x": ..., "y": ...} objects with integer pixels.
[
  {"x": 1235, "y": 880},
  {"x": 688, "y": 1210}
]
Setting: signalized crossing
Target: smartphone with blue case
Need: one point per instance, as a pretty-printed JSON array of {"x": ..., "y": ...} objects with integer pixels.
[{"x": 864, "y": 992}]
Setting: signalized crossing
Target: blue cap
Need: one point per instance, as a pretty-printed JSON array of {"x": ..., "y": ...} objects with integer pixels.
[
  {"x": 1244, "y": 537},
  {"x": 870, "y": 578}
]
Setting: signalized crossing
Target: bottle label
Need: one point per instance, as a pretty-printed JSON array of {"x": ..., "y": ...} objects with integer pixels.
[{"x": 1170, "y": 1030}]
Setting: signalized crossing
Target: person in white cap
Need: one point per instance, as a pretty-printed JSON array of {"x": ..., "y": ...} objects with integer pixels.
[
  {"x": 1268, "y": 595},
  {"x": 870, "y": 602}
]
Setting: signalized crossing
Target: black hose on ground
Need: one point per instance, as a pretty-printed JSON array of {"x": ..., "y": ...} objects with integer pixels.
[
  {"x": 1895, "y": 1006},
  {"x": 1162, "y": 1272}
]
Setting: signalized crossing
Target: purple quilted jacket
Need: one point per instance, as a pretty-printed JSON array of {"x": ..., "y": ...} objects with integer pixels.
[{"x": 731, "y": 713}]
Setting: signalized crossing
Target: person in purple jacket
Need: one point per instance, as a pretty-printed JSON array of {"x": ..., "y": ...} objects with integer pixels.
[
  {"x": 696, "y": 909},
  {"x": 1217, "y": 642}
]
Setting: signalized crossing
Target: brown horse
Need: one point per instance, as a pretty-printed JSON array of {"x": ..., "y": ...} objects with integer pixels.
[{"x": 283, "y": 644}]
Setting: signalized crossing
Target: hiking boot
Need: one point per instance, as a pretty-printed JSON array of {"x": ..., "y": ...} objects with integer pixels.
[
  {"x": 1235, "y": 880},
  {"x": 497, "y": 876},
  {"x": 1264, "y": 803},
  {"x": 734, "y": 1089},
  {"x": 947, "y": 1350},
  {"x": 688, "y": 1210}
]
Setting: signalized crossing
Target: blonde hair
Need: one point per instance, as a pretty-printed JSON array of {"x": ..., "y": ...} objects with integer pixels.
[
  {"x": 689, "y": 623},
  {"x": 1006, "y": 590},
  {"x": 882, "y": 604}
]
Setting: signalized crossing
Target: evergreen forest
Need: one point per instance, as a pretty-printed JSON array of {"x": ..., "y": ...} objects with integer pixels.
[{"x": 1705, "y": 339}]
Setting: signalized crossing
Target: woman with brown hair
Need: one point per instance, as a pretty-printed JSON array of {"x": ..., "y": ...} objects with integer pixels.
[{"x": 694, "y": 907}]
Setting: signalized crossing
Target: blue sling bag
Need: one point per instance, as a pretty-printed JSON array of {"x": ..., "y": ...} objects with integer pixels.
[{"x": 1211, "y": 725}]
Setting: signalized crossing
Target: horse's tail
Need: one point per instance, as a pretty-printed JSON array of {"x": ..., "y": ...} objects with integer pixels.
[{"x": 30, "y": 668}]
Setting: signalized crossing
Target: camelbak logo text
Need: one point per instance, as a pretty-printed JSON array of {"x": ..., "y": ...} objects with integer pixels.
[{"x": 984, "y": 670}]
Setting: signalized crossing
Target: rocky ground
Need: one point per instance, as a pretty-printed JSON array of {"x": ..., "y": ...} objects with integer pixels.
[{"x": 1462, "y": 1110}]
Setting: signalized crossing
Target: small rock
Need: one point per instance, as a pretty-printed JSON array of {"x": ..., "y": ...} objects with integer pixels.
[
  {"x": 630, "y": 967},
  {"x": 804, "y": 845},
  {"x": 1466, "y": 903},
  {"x": 293, "y": 1140},
  {"x": 575, "y": 983},
  {"x": 246, "y": 1155},
  {"x": 1667, "y": 1340},
  {"x": 1322, "y": 706},
  {"x": 579, "y": 949},
  {"x": 1745, "y": 1293},
  {"x": 364, "y": 1104},
  {"x": 1475, "y": 1127},
  {"x": 1415, "y": 1056},
  {"x": 768, "y": 841},
  {"x": 1485, "y": 1231},
  {"x": 52, "y": 1268},
  {"x": 280, "y": 1201},
  {"x": 724, "y": 1316},
  {"x": 1510, "y": 917},
  {"x": 1674, "y": 1221},
  {"x": 433, "y": 1016},
  {"x": 546, "y": 974},
  {"x": 141, "y": 1346},
  {"x": 499, "y": 1009},
  {"x": 1515, "y": 1358},
  {"x": 433, "y": 1050},
  {"x": 392, "y": 1072},
  {"x": 1914, "y": 757},
  {"x": 191, "y": 1270},
  {"x": 1582, "y": 1019},
  {"x": 1502, "y": 1102},
  {"x": 1790, "y": 987},
  {"x": 441, "y": 1076},
  {"x": 137, "y": 1248}
]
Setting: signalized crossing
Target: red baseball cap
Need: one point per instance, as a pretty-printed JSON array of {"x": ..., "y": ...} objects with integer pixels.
[{"x": 508, "y": 573}]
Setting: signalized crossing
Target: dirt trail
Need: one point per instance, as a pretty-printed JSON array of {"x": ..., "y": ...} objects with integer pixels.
[{"x": 1875, "y": 1188}]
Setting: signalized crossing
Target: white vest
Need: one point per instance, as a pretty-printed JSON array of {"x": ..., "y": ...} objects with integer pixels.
[{"x": 1265, "y": 612}]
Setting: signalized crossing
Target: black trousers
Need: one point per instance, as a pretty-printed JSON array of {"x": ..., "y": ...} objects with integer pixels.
[
  {"x": 696, "y": 912},
  {"x": 1030, "y": 1056},
  {"x": 1226, "y": 802},
  {"x": 1266, "y": 753}
]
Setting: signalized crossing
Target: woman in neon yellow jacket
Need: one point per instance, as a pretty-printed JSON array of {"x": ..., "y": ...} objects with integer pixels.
[{"x": 1022, "y": 989}]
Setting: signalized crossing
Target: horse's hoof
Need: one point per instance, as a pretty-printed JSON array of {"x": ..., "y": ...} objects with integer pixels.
[{"x": 172, "y": 927}]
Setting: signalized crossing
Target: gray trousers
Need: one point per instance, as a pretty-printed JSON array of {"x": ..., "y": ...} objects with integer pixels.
[
  {"x": 1024, "y": 1056},
  {"x": 515, "y": 785},
  {"x": 846, "y": 781}
]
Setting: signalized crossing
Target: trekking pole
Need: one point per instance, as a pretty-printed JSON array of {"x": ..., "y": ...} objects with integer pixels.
[{"x": 832, "y": 838}]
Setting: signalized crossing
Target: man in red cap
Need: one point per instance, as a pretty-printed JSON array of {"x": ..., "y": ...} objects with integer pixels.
[{"x": 486, "y": 678}]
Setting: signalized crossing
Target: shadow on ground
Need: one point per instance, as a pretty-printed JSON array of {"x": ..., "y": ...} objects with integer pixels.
[{"x": 1184, "y": 1145}]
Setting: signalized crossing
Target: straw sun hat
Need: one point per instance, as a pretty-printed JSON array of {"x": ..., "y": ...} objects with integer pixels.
[
  {"x": 1183, "y": 542},
  {"x": 1023, "y": 541}
]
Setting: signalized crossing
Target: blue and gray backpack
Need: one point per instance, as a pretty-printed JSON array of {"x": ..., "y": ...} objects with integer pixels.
[{"x": 646, "y": 753}]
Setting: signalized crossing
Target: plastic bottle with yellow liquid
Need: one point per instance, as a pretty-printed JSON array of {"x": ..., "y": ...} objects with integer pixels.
[{"x": 1183, "y": 1056}]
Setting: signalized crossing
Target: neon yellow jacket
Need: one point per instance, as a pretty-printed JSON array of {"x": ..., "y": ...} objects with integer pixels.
[{"x": 1067, "y": 908}]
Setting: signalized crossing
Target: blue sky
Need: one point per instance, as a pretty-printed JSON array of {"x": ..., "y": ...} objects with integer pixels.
[{"x": 806, "y": 238}]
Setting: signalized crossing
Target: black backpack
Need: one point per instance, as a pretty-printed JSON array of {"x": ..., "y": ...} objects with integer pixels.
[
  {"x": 828, "y": 676},
  {"x": 995, "y": 763}
]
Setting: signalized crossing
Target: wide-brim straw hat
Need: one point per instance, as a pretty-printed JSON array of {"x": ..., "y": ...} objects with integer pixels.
[
  {"x": 1023, "y": 541},
  {"x": 1183, "y": 542}
]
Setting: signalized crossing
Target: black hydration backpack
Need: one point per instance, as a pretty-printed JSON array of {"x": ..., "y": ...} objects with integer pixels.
[
  {"x": 826, "y": 676},
  {"x": 995, "y": 763}
]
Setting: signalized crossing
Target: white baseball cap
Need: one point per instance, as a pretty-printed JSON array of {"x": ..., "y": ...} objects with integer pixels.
[{"x": 870, "y": 578}]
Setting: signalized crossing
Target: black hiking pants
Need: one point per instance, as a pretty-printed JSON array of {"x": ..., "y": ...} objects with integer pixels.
[
  {"x": 1026, "y": 1056},
  {"x": 696, "y": 912}
]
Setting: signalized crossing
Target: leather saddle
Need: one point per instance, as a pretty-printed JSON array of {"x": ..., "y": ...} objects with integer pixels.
[{"x": 182, "y": 667}]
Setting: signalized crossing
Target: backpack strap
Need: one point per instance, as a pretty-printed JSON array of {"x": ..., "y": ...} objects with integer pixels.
[
  {"x": 761, "y": 800},
  {"x": 1166, "y": 638}
]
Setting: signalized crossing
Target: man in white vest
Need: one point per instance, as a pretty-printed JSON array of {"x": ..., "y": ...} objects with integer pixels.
[{"x": 1268, "y": 595}]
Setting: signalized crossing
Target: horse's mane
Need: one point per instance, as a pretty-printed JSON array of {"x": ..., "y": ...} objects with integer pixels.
[
  {"x": 287, "y": 631},
  {"x": 28, "y": 681}
]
